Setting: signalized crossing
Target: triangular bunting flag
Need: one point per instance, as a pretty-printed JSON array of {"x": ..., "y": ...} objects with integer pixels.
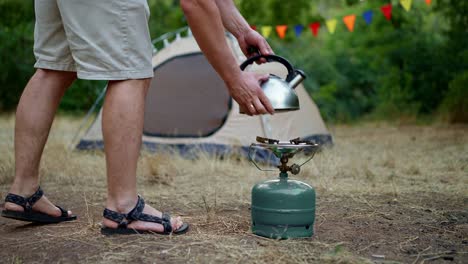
[
  {"x": 298, "y": 29},
  {"x": 281, "y": 30},
  {"x": 349, "y": 22},
  {"x": 387, "y": 11},
  {"x": 254, "y": 27},
  {"x": 406, "y": 4},
  {"x": 266, "y": 31},
  {"x": 428, "y": 2},
  {"x": 314, "y": 27},
  {"x": 368, "y": 16},
  {"x": 331, "y": 25}
]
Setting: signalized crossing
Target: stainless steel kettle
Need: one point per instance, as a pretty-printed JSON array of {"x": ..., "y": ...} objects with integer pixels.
[{"x": 280, "y": 92}]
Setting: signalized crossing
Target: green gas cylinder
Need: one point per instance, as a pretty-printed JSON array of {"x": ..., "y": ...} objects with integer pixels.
[{"x": 283, "y": 208}]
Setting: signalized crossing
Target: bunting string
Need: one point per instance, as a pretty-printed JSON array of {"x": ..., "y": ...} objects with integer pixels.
[{"x": 331, "y": 24}]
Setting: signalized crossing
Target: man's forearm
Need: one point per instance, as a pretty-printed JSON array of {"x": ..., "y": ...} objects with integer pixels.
[
  {"x": 232, "y": 19},
  {"x": 205, "y": 22}
]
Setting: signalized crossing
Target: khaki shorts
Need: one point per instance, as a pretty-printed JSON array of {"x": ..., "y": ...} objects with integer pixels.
[{"x": 98, "y": 39}]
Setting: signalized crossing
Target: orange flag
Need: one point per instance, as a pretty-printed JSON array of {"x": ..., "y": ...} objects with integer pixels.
[
  {"x": 349, "y": 22},
  {"x": 281, "y": 30},
  {"x": 428, "y": 2}
]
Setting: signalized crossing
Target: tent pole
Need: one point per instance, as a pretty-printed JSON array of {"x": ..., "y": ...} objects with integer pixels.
[{"x": 87, "y": 116}]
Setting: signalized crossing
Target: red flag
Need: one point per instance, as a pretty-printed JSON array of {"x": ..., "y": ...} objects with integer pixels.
[
  {"x": 428, "y": 2},
  {"x": 281, "y": 30},
  {"x": 387, "y": 11},
  {"x": 254, "y": 27},
  {"x": 314, "y": 27}
]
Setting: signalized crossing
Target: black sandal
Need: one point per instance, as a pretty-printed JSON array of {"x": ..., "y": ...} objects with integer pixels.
[
  {"x": 137, "y": 214},
  {"x": 29, "y": 215}
]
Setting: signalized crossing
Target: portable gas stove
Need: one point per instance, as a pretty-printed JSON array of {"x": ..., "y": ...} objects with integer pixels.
[{"x": 283, "y": 208}]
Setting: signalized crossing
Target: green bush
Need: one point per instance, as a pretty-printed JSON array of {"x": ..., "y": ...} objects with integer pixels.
[
  {"x": 16, "y": 42},
  {"x": 414, "y": 65},
  {"x": 455, "y": 104},
  {"x": 395, "y": 96}
]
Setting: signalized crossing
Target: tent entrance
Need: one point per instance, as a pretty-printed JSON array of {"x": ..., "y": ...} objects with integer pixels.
[{"x": 187, "y": 98}]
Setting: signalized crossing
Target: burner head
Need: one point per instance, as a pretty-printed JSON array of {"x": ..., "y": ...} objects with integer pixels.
[{"x": 286, "y": 148}]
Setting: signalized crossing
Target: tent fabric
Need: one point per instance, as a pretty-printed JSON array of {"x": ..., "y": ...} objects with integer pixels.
[
  {"x": 189, "y": 109},
  {"x": 173, "y": 104}
]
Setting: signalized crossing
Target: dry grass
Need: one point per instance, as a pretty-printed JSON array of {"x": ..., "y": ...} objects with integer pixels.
[{"x": 400, "y": 192}]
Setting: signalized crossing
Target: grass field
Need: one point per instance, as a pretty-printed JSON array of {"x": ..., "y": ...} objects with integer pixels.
[{"x": 386, "y": 194}]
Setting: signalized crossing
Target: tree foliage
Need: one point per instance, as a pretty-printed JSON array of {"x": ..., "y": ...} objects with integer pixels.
[
  {"x": 415, "y": 64},
  {"x": 385, "y": 69},
  {"x": 16, "y": 38}
]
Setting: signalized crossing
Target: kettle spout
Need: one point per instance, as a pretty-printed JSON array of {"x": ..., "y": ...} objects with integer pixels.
[{"x": 300, "y": 76}]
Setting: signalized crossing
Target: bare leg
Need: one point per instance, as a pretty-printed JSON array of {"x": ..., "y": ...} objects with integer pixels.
[
  {"x": 122, "y": 125},
  {"x": 34, "y": 117}
]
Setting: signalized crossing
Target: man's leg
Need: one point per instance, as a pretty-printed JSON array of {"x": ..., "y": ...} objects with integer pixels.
[
  {"x": 122, "y": 125},
  {"x": 34, "y": 116}
]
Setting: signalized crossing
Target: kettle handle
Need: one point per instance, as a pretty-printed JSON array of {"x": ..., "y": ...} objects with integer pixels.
[{"x": 271, "y": 58}]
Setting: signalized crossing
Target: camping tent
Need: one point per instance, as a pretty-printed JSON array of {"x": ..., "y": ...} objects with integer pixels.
[{"x": 188, "y": 106}]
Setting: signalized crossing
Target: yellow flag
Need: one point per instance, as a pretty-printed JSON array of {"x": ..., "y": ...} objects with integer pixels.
[
  {"x": 406, "y": 4},
  {"x": 331, "y": 25},
  {"x": 266, "y": 31}
]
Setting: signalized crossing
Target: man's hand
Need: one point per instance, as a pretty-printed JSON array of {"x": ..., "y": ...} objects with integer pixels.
[
  {"x": 252, "y": 38},
  {"x": 250, "y": 97},
  {"x": 206, "y": 19},
  {"x": 248, "y": 94}
]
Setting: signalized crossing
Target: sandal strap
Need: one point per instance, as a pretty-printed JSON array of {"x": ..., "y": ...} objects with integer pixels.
[
  {"x": 117, "y": 217},
  {"x": 26, "y": 202},
  {"x": 64, "y": 212},
  {"x": 137, "y": 211},
  {"x": 137, "y": 214}
]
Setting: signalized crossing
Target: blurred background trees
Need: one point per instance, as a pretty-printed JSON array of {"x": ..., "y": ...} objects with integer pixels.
[{"x": 415, "y": 65}]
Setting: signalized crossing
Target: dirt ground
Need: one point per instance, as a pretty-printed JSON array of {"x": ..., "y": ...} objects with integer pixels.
[{"x": 385, "y": 194}]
